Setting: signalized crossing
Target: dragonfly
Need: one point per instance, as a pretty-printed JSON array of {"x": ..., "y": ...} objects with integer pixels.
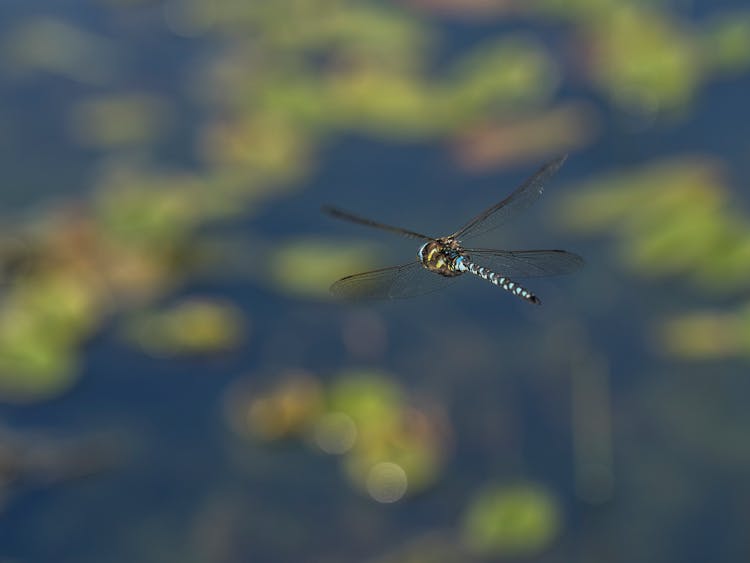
[{"x": 441, "y": 260}]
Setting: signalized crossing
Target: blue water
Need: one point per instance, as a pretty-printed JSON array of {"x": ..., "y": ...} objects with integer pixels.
[{"x": 184, "y": 474}]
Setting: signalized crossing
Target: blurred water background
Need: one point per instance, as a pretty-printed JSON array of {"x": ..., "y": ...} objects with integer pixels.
[{"x": 178, "y": 385}]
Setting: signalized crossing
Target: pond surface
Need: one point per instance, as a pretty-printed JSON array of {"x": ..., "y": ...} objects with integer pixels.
[{"x": 177, "y": 384}]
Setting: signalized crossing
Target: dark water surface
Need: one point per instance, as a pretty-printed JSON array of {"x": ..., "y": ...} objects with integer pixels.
[{"x": 624, "y": 449}]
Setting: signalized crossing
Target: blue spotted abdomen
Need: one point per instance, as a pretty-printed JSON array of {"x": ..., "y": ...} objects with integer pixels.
[{"x": 463, "y": 264}]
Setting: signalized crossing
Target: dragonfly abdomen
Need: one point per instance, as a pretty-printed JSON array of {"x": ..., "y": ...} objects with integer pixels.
[
  {"x": 463, "y": 264},
  {"x": 444, "y": 259}
]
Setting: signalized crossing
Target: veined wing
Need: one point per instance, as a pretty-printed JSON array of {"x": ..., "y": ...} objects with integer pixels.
[
  {"x": 527, "y": 263},
  {"x": 341, "y": 214},
  {"x": 523, "y": 196},
  {"x": 396, "y": 282}
]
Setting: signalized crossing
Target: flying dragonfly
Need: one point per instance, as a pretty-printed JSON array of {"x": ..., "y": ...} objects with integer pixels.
[{"x": 442, "y": 260}]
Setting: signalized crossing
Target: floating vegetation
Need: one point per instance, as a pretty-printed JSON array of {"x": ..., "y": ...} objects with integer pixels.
[
  {"x": 643, "y": 60},
  {"x": 521, "y": 139},
  {"x": 309, "y": 71},
  {"x": 54, "y": 46},
  {"x": 726, "y": 42},
  {"x": 648, "y": 61},
  {"x": 290, "y": 409},
  {"x": 690, "y": 231},
  {"x": 41, "y": 323},
  {"x": 120, "y": 121},
  {"x": 306, "y": 267},
  {"x": 644, "y": 57},
  {"x": 707, "y": 335},
  {"x": 171, "y": 141},
  {"x": 194, "y": 326},
  {"x": 511, "y": 521},
  {"x": 400, "y": 447},
  {"x": 389, "y": 447},
  {"x": 293, "y": 75}
]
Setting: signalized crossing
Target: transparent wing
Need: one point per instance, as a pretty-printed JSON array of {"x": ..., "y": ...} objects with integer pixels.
[
  {"x": 396, "y": 282},
  {"x": 526, "y": 194},
  {"x": 346, "y": 216},
  {"x": 527, "y": 263}
]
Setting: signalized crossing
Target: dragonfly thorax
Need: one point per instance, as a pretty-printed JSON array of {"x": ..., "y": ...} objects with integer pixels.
[
  {"x": 445, "y": 256},
  {"x": 440, "y": 256}
]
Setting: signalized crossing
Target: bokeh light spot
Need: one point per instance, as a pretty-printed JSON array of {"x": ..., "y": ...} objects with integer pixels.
[
  {"x": 335, "y": 433},
  {"x": 386, "y": 482}
]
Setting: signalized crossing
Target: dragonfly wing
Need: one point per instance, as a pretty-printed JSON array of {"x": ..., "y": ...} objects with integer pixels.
[
  {"x": 526, "y": 194},
  {"x": 527, "y": 263},
  {"x": 346, "y": 216},
  {"x": 396, "y": 282}
]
